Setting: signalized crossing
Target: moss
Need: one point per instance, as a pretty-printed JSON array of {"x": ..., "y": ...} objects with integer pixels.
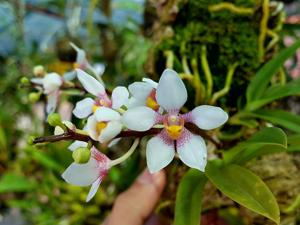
[{"x": 229, "y": 38}]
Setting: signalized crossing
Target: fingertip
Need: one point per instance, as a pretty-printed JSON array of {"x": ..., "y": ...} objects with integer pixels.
[
  {"x": 157, "y": 179},
  {"x": 137, "y": 203}
]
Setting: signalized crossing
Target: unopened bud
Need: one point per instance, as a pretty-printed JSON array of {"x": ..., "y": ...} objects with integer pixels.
[
  {"x": 24, "y": 80},
  {"x": 81, "y": 155},
  {"x": 39, "y": 71},
  {"x": 54, "y": 120},
  {"x": 34, "y": 97},
  {"x": 30, "y": 140}
]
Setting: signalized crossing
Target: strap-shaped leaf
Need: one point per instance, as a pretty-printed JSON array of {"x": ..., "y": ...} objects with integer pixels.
[
  {"x": 294, "y": 143},
  {"x": 11, "y": 182},
  {"x": 189, "y": 198},
  {"x": 267, "y": 141},
  {"x": 261, "y": 80},
  {"x": 245, "y": 188},
  {"x": 278, "y": 117},
  {"x": 274, "y": 93}
]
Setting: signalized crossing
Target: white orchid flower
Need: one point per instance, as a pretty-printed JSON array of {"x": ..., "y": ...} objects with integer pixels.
[
  {"x": 82, "y": 63},
  {"x": 90, "y": 173},
  {"x": 143, "y": 94},
  {"x": 87, "y": 106},
  {"x": 51, "y": 84},
  {"x": 171, "y": 95},
  {"x": 104, "y": 125}
]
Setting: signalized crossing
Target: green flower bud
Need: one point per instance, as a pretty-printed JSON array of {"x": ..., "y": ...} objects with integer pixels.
[
  {"x": 30, "y": 140},
  {"x": 55, "y": 120},
  {"x": 81, "y": 155},
  {"x": 33, "y": 97},
  {"x": 39, "y": 71},
  {"x": 24, "y": 80}
]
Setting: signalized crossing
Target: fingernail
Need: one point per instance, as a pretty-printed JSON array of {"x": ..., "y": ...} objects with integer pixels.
[{"x": 148, "y": 178}]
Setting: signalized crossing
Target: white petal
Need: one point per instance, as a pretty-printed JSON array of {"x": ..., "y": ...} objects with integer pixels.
[
  {"x": 208, "y": 117},
  {"x": 106, "y": 114},
  {"x": 134, "y": 102},
  {"x": 140, "y": 118},
  {"x": 81, "y": 56},
  {"x": 193, "y": 152},
  {"x": 151, "y": 82},
  {"x": 82, "y": 174},
  {"x": 37, "y": 80},
  {"x": 51, "y": 82},
  {"x": 140, "y": 90},
  {"x": 77, "y": 144},
  {"x": 68, "y": 76},
  {"x": 119, "y": 97},
  {"x": 99, "y": 69},
  {"x": 112, "y": 129},
  {"x": 90, "y": 83},
  {"x": 84, "y": 108},
  {"x": 90, "y": 127},
  {"x": 171, "y": 93},
  {"x": 158, "y": 154},
  {"x": 94, "y": 189},
  {"x": 52, "y": 99}
]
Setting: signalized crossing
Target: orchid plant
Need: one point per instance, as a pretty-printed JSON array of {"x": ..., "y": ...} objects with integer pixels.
[
  {"x": 108, "y": 117},
  {"x": 156, "y": 112}
]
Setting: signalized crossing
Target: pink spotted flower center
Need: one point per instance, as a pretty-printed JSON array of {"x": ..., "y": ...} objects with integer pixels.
[
  {"x": 102, "y": 101},
  {"x": 174, "y": 125}
]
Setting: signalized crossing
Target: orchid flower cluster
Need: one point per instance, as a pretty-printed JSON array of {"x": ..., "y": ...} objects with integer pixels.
[
  {"x": 50, "y": 84},
  {"x": 142, "y": 107}
]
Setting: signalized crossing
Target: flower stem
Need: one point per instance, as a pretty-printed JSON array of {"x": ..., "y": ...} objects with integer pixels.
[{"x": 127, "y": 154}]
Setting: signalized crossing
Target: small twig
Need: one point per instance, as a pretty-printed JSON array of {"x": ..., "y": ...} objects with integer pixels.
[{"x": 72, "y": 135}]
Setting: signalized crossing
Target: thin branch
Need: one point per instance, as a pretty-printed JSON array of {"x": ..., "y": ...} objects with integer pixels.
[{"x": 72, "y": 135}]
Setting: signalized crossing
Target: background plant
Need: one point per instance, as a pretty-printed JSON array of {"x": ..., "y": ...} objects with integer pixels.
[{"x": 245, "y": 35}]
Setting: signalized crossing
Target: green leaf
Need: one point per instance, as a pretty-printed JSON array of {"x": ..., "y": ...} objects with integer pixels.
[
  {"x": 278, "y": 117},
  {"x": 44, "y": 159},
  {"x": 266, "y": 141},
  {"x": 274, "y": 93},
  {"x": 294, "y": 143},
  {"x": 294, "y": 139},
  {"x": 3, "y": 142},
  {"x": 11, "y": 182},
  {"x": 244, "y": 187},
  {"x": 189, "y": 197},
  {"x": 261, "y": 80}
]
